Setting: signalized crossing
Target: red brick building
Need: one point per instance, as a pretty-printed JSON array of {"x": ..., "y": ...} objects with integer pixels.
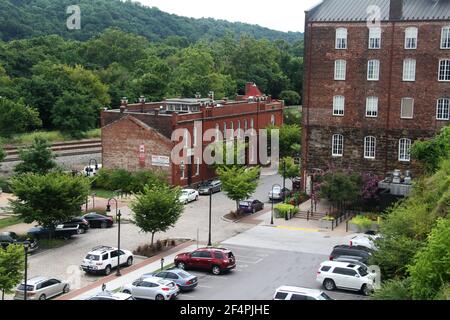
[
  {"x": 372, "y": 88},
  {"x": 140, "y": 136}
]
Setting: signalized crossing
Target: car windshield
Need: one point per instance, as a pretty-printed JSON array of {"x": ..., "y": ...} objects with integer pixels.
[
  {"x": 363, "y": 271},
  {"x": 323, "y": 296},
  {"x": 93, "y": 257},
  {"x": 276, "y": 189},
  {"x": 184, "y": 193}
]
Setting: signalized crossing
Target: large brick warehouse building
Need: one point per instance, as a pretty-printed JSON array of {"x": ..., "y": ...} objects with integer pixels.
[
  {"x": 372, "y": 88},
  {"x": 140, "y": 136}
]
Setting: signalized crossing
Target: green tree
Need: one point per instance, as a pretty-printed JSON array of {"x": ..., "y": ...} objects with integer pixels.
[
  {"x": 341, "y": 188},
  {"x": 291, "y": 171},
  {"x": 292, "y": 117},
  {"x": 238, "y": 183},
  {"x": 291, "y": 98},
  {"x": 16, "y": 117},
  {"x": 394, "y": 290},
  {"x": 2, "y": 154},
  {"x": 157, "y": 208},
  {"x": 290, "y": 139},
  {"x": 430, "y": 271},
  {"x": 38, "y": 158},
  {"x": 12, "y": 265},
  {"x": 430, "y": 153},
  {"x": 48, "y": 199}
]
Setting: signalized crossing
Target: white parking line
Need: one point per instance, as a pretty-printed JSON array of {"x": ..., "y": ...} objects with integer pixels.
[{"x": 205, "y": 287}]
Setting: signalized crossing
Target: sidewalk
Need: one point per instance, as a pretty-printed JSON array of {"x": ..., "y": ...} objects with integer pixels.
[{"x": 129, "y": 274}]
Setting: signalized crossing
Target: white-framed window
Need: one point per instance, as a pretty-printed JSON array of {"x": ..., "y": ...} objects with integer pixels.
[
  {"x": 272, "y": 119},
  {"x": 337, "y": 145},
  {"x": 445, "y": 38},
  {"x": 409, "y": 70},
  {"x": 197, "y": 170},
  {"x": 443, "y": 109},
  {"x": 195, "y": 136},
  {"x": 372, "y": 107},
  {"x": 340, "y": 69},
  {"x": 338, "y": 105},
  {"x": 186, "y": 138},
  {"x": 341, "y": 38},
  {"x": 252, "y": 123},
  {"x": 404, "y": 150},
  {"x": 225, "y": 131},
  {"x": 444, "y": 70},
  {"x": 370, "y": 146},
  {"x": 411, "y": 36},
  {"x": 373, "y": 70},
  {"x": 245, "y": 125},
  {"x": 407, "y": 108},
  {"x": 374, "y": 38}
]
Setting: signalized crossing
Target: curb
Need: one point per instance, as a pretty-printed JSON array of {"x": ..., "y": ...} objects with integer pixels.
[{"x": 125, "y": 271}]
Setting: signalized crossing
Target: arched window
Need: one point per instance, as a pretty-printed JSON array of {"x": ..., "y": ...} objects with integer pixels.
[
  {"x": 341, "y": 38},
  {"x": 337, "y": 145},
  {"x": 370, "y": 145},
  {"x": 445, "y": 38},
  {"x": 411, "y": 35},
  {"x": 404, "y": 150}
]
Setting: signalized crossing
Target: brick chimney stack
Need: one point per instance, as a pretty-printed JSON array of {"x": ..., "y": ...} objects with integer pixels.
[
  {"x": 396, "y": 10},
  {"x": 123, "y": 104}
]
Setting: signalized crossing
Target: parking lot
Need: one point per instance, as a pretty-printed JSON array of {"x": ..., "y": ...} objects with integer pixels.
[{"x": 259, "y": 273}]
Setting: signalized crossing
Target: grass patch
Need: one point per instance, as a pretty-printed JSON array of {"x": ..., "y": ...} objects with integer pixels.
[
  {"x": 8, "y": 222},
  {"x": 105, "y": 194}
]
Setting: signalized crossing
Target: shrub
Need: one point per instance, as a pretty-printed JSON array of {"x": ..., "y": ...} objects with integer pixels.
[
  {"x": 394, "y": 290},
  {"x": 283, "y": 209},
  {"x": 113, "y": 180},
  {"x": 362, "y": 222},
  {"x": 4, "y": 185}
]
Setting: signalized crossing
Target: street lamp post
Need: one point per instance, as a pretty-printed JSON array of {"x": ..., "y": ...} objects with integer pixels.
[
  {"x": 118, "y": 216},
  {"x": 210, "y": 211},
  {"x": 26, "y": 244},
  {"x": 284, "y": 180},
  {"x": 271, "y": 218}
]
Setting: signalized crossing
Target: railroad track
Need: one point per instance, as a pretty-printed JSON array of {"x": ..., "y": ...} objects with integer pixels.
[{"x": 63, "y": 149}]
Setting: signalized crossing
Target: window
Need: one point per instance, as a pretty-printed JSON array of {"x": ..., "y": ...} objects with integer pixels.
[
  {"x": 183, "y": 168},
  {"x": 444, "y": 70},
  {"x": 338, "y": 145},
  {"x": 197, "y": 171},
  {"x": 409, "y": 70},
  {"x": 372, "y": 107},
  {"x": 373, "y": 70},
  {"x": 195, "y": 136},
  {"x": 404, "y": 150},
  {"x": 245, "y": 125},
  {"x": 340, "y": 71},
  {"x": 411, "y": 35},
  {"x": 217, "y": 132},
  {"x": 445, "y": 38},
  {"x": 252, "y": 123},
  {"x": 370, "y": 144},
  {"x": 298, "y": 297},
  {"x": 442, "y": 112},
  {"x": 186, "y": 138},
  {"x": 338, "y": 105},
  {"x": 374, "y": 38},
  {"x": 407, "y": 111},
  {"x": 225, "y": 131},
  {"x": 341, "y": 38},
  {"x": 272, "y": 119}
]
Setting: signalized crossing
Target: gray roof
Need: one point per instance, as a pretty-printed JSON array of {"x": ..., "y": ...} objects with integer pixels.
[{"x": 356, "y": 10}]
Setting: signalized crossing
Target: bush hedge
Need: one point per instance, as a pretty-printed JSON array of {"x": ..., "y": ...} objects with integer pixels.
[
  {"x": 284, "y": 209},
  {"x": 362, "y": 221}
]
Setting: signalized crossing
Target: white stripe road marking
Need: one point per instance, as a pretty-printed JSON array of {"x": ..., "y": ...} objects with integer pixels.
[
  {"x": 251, "y": 262},
  {"x": 206, "y": 287}
]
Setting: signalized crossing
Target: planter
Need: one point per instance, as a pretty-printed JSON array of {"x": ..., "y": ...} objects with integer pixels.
[
  {"x": 327, "y": 224},
  {"x": 359, "y": 229}
]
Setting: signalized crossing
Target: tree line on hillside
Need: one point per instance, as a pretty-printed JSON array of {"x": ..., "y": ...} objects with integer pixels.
[
  {"x": 52, "y": 83},
  {"x": 30, "y": 18}
]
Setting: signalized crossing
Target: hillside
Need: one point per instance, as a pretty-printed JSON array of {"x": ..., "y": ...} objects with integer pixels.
[{"x": 30, "y": 18}]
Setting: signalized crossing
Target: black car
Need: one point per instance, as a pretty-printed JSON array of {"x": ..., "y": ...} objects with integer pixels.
[
  {"x": 59, "y": 232},
  {"x": 82, "y": 223},
  {"x": 99, "y": 221},
  {"x": 8, "y": 238},
  {"x": 363, "y": 253},
  {"x": 250, "y": 206},
  {"x": 213, "y": 185}
]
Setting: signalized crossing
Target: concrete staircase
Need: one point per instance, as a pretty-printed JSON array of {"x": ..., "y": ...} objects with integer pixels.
[{"x": 316, "y": 216}]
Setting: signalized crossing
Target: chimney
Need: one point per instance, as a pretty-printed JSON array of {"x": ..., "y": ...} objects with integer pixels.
[
  {"x": 142, "y": 101},
  {"x": 396, "y": 10},
  {"x": 123, "y": 104}
]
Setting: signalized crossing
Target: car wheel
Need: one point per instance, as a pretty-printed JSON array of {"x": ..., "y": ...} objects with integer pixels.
[
  {"x": 365, "y": 290},
  {"x": 159, "y": 297},
  {"x": 181, "y": 265},
  {"x": 216, "y": 270},
  {"x": 130, "y": 261},
  {"x": 196, "y": 198},
  {"x": 42, "y": 297},
  {"x": 329, "y": 284},
  {"x": 126, "y": 291},
  {"x": 103, "y": 225},
  {"x": 66, "y": 289},
  {"x": 108, "y": 270}
]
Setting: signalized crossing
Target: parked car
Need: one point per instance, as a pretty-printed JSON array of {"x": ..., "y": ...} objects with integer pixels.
[
  {"x": 251, "y": 206},
  {"x": 103, "y": 259},
  {"x": 80, "y": 221},
  {"x": 351, "y": 259},
  {"x": 184, "y": 280},
  {"x": 296, "y": 293},
  {"x": 188, "y": 195},
  {"x": 214, "y": 185},
  {"x": 364, "y": 240},
  {"x": 279, "y": 193},
  {"x": 99, "y": 221},
  {"x": 356, "y": 251},
  {"x": 42, "y": 288},
  {"x": 8, "y": 238},
  {"x": 111, "y": 296},
  {"x": 217, "y": 260},
  {"x": 59, "y": 232},
  {"x": 152, "y": 289},
  {"x": 347, "y": 276}
]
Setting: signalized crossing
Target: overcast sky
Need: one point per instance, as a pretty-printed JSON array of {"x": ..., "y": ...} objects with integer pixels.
[{"x": 283, "y": 15}]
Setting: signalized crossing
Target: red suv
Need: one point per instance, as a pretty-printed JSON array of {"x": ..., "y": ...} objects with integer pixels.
[{"x": 217, "y": 260}]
